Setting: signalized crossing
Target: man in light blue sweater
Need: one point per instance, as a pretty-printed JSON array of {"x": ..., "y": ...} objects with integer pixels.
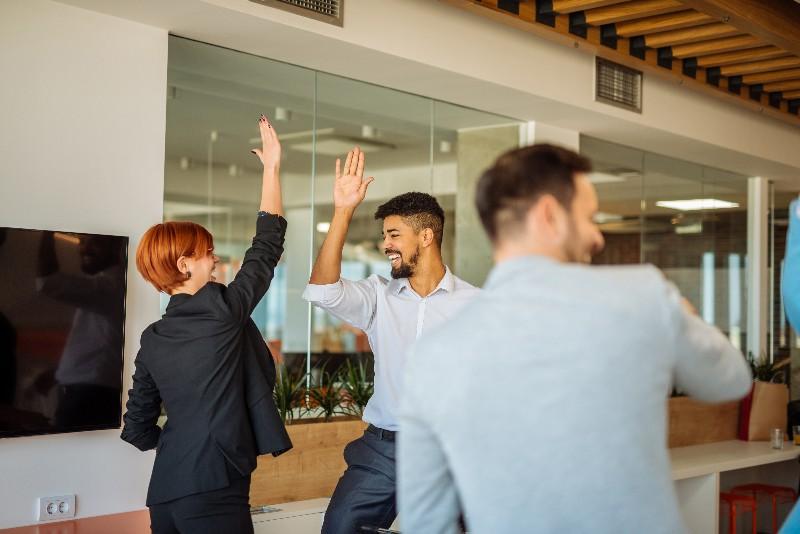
[{"x": 553, "y": 415}]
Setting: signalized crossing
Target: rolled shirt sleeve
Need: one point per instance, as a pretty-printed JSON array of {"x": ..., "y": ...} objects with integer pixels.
[{"x": 352, "y": 302}]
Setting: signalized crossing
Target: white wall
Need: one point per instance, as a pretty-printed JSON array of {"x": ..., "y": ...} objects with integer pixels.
[{"x": 81, "y": 149}]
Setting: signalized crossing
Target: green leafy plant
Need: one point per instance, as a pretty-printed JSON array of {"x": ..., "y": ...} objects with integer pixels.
[
  {"x": 326, "y": 394},
  {"x": 357, "y": 387},
  {"x": 762, "y": 369},
  {"x": 288, "y": 392}
]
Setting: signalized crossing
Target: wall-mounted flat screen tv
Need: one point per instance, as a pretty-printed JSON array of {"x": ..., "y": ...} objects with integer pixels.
[{"x": 62, "y": 317}]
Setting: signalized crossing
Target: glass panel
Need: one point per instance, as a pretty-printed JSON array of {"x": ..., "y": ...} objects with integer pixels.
[
  {"x": 783, "y": 339},
  {"x": 466, "y": 142},
  {"x": 617, "y": 177},
  {"x": 703, "y": 251},
  {"x": 394, "y": 131},
  {"x": 215, "y": 96}
]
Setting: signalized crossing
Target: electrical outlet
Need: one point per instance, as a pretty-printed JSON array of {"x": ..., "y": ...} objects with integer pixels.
[{"x": 60, "y": 507}]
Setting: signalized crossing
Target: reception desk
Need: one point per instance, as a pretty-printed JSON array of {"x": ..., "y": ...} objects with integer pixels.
[{"x": 699, "y": 472}]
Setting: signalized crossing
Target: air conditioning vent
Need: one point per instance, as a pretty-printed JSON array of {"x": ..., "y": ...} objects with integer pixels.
[
  {"x": 330, "y": 11},
  {"x": 618, "y": 85}
]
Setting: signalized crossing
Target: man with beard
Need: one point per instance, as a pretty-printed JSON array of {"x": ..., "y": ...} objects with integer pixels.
[
  {"x": 578, "y": 361},
  {"x": 422, "y": 294}
]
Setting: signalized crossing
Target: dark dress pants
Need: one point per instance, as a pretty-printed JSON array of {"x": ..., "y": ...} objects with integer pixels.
[
  {"x": 365, "y": 495},
  {"x": 225, "y": 510}
]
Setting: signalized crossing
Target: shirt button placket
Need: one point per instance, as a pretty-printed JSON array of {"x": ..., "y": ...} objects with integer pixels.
[{"x": 420, "y": 316}]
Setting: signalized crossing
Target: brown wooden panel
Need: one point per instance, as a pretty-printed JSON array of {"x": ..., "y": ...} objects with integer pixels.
[
  {"x": 741, "y": 56},
  {"x": 693, "y": 423},
  {"x": 776, "y": 22},
  {"x": 690, "y": 35},
  {"x": 570, "y": 6},
  {"x": 561, "y": 35},
  {"x": 714, "y": 46},
  {"x": 791, "y": 95},
  {"x": 774, "y": 76},
  {"x": 761, "y": 66},
  {"x": 631, "y": 10},
  {"x": 782, "y": 86},
  {"x": 311, "y": 469},
  {"x": 660, "y": 23}
]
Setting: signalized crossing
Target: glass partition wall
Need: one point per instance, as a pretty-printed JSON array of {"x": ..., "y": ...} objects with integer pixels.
[
  {"x": 411, "y": 143},
  {"x": 686, "y": 219}
]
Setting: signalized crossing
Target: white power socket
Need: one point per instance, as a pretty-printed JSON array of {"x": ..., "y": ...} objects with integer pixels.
[{"x": 60, "y": 507}]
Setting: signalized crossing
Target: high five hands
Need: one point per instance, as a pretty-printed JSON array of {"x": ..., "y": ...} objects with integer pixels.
[{"x": 350, "y": 186}]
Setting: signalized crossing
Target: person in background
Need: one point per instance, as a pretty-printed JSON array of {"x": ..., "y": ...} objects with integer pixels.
[
  {"x": 206, "y": 361},
  {"x": 552, "y": 416},
  {"x": 422, "y": 294}
]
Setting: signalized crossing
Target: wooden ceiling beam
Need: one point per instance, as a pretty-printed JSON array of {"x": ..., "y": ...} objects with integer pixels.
[
  {"x": 661, "y": 23},
  {"x": 770, "y": 77},
  {"x": 776, "y": 22},
  {"x": 690, "y": 35},
  {"x": 741, "y": 56},
  {"x": 791, "y": 95},
  {"x": 782, "y": 86},
  {"x": 571, "y": 6},
  {"x": 715, "y": 46},
  {"x": 631, "y": 10},
  {"x": 761, "y": 66}
]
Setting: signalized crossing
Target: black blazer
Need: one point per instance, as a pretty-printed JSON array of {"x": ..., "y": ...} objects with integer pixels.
[{"x": 207, "y": 361}]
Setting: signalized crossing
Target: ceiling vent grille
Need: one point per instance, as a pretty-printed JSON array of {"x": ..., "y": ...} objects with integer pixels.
[
  {"x": 618, "y": 85},
  {"x": 330, "y": 11}
]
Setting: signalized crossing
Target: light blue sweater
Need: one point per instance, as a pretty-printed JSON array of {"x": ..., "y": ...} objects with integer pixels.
[{"x": 542, "y": 406}]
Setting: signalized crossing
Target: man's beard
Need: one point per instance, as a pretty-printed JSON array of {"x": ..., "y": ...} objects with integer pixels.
[{"x": 406, "y": 270}]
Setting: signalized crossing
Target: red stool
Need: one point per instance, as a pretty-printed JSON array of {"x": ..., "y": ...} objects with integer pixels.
[
  {"x": 778, "y": 495},
  {"x": 745, "y": 502}
]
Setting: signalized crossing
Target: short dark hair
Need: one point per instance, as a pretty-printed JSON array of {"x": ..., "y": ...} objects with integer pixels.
[
  {"x": 518, "y": 178},
  {"x": 420, "y": 210}
]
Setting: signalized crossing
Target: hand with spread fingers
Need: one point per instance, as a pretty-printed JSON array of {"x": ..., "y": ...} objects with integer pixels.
[
  {"x": 350, "y": 186},
  {"x": 270, "y": 151}
]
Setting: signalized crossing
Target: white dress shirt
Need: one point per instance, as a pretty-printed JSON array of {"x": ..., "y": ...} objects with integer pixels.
[{"x": 393, "y": 316}]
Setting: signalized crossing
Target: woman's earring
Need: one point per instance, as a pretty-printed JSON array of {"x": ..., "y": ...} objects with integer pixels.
[{"x": 188, "y": 274}]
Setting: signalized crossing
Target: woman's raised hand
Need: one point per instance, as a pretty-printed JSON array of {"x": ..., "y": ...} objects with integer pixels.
[{"x": 270, "y": 151}]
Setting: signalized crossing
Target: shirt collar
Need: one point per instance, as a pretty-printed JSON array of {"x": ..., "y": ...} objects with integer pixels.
[{"x": 447, "y": 283}]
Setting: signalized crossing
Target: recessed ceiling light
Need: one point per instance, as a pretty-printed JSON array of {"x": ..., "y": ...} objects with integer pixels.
[
  {"x": 601, "y": 217},
  {"x": 604, "y": 178},
  {"x": 323, "y": 227},
  {"x": 282, "y": 114},
  {"x": 697, "y": 204},
  {"x": 368, "y": 131}
]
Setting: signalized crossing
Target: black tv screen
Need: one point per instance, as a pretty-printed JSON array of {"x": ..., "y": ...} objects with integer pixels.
[{"x": 62, "y": 317}]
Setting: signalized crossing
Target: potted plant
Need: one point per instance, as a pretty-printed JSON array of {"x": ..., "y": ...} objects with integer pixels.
[
  {"x": 326, "y": 394},
  {"x": 288, "y": 392},
  {"x": 357, "y": 387}
]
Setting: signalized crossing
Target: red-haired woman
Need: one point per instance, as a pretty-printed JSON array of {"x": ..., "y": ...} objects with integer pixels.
[{"x": 206, "y": 361}]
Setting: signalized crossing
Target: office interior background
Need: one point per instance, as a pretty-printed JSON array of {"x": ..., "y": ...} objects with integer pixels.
[{"x": 120, "y": 115}]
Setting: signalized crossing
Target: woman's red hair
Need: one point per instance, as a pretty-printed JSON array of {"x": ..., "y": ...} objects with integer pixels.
[{"x": 162, "y": 245}]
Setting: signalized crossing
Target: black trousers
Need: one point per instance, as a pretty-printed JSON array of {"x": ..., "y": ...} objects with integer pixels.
[
  {"x": 366, "y": 493},
  {"x": 220, "y": 511}
]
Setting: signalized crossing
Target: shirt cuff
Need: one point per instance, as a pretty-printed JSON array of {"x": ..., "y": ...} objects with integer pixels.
[
  {"x": 267, "y": 222},
  {"x": 323, "y": 293}
]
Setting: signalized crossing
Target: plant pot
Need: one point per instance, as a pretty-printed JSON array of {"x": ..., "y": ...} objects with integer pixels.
[
  {"x": 692, "y": 422},
  {"x": 311, "y": 469}
]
